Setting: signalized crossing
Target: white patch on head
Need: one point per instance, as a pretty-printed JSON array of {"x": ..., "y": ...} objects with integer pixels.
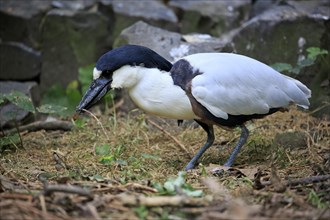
[{"x": 96, "y": 73}]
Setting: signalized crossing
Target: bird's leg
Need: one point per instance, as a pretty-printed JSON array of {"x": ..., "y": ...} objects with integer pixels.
[
  {"x": 208, "y": 143},
  {"x": 241, "y": 142}
]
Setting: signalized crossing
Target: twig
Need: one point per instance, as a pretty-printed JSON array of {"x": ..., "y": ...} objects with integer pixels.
[
  {"x": 182, "y": 147},
  {"x": 60, "y": 162},
  {"x": 98, "y": 121},
  {"x": 19, "y": 134},
  {"x": 43, "y": 204},
  {"x": 116, "y": 105},
  {"x": 125, "y": 187},
  {"x": 49, "y": 189},
  {"x": 39, "y": 125}
]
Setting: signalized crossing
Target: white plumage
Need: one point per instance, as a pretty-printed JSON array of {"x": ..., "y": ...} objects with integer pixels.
[{"x": 238, "y": 85}]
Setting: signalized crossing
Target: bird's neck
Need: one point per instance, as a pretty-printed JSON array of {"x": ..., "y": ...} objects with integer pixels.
[{"x": 153, "y": 91}]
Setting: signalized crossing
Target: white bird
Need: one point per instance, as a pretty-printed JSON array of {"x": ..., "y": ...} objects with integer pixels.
[{"x": 221, "y": 89}]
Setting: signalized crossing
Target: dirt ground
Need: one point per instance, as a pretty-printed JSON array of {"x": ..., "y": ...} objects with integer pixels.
[{"x": 121, "y": 167}]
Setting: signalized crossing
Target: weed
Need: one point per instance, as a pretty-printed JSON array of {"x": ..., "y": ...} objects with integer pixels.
[
  {"x": 141, "y": 211},
  {"x": 174, "y": 185},
  {"x": 313, "y": 53},
  {"x": 316, "y": 200}
]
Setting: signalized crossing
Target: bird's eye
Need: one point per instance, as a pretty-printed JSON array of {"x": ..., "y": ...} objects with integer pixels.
[{"x": 107, "y": 74}]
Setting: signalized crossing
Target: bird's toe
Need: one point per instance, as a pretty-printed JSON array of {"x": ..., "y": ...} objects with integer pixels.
[{"x": 190, "y": 166}]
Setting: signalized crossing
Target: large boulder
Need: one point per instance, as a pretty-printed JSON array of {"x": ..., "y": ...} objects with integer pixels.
[
  {"x": 211, "y": 17},
  {"x": 19, "y": 62},
  {"x": 126, "y": 13},
  {"x": 20, "y": 21},
  {"x": 71, "y": 39},
  {"x": 280, "y": 34},
  {"x": 170, "y": 45}
]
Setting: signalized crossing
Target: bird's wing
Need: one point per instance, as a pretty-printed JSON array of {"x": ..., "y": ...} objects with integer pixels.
[{"x": 238, "y": 85}]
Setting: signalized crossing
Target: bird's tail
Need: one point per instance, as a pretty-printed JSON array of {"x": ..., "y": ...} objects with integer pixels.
[{"x": 302, "y": 95}]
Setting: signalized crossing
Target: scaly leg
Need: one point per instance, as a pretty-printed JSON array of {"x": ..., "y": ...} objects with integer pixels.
[
  {"x": 208, "y": 143},
  {"x": 241, "y": 142}
]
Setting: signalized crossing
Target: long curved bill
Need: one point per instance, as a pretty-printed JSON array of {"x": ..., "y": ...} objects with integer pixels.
[{"x": 95, "y": 92}]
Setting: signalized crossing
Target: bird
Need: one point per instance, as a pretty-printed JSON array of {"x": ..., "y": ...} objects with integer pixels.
[{"x": 213, "y": 89}]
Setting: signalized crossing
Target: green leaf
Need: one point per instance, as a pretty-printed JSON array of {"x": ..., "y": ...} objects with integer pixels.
[
  {"x": 102, "y": 150},
  {"x": 72, "y": 93},
  {"x": 170, "y": 184},
  {"x": 179, "y": 182},
  {"x": 80, "y": 122},
  {"x": 281, "y": 67},
  {"x": 56, "y": 94},
  {"x": 193, "y": 193},
  {"x": 85, "y": 76},
  {"x": 107, "y": 159},
  {"x": 141, "y": 211},
  {"x": 9, "y": 139},
  {"x": 313, "y": 52},
  {"x": 305, "y": 62},
  {"x": 150, "y": 156},
  {"x": 52, "y": 109},
  {"x": 121, "y": 162},
  {"x": 20, "y": 100},
  {"x": 2, "y": 98}
]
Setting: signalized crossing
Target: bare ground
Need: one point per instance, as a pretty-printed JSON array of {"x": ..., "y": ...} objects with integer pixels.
[{"x": 111, "y": 171}]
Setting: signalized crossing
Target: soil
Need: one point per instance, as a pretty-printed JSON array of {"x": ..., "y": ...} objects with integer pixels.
[{"x": 112, "y": 168}]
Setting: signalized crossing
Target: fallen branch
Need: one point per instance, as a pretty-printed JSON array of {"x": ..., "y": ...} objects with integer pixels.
[
  {"x": 154, "y": 201},
  {"x": 182, "y": 147},
  {"x": 49, "y": 189},
  {"x": 126, "y": 187},
  {"x": 42, "y": 125},
  {"x": 295, "y": 182},
  {"x": 308, "y": 180}
]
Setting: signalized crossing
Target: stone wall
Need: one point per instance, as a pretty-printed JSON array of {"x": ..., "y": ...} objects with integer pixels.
[{"x": 44, "y": 42}]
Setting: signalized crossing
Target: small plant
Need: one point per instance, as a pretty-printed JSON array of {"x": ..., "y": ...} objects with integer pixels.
[
  {"x": 173, "y": 185},
  {"x": 24, "y": 102},
  {"x": 316, "y": 200},
  {"x": 313, "y": 53},
  {"x": 108, "y": 156},
  {"x": 141, "y": 211}
]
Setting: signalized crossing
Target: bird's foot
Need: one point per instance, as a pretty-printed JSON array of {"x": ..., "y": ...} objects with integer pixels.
[
  {"x": 190, "y": 166},
  {"x": 229, "y": 163}
]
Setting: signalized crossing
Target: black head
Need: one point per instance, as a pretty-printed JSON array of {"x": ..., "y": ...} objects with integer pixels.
[
  {"x": 111, "y": 61},
  {"x": 133, "y": 55}
]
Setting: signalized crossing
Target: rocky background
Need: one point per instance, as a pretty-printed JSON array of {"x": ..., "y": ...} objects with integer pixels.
[{"x": 43, "y": 42}]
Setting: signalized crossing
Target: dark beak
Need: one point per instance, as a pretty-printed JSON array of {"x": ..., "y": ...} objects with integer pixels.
[{"x": 95, "y": 92}]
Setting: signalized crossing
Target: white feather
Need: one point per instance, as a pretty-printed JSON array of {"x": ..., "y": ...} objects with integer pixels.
[
  {"x": 153, "y": 91},
  {"x": 239, "y": 85}
]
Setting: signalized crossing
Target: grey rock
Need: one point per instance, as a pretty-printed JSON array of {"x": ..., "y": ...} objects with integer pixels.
[
  {"x": 170, "y": 45},
  {"x": 291, "y": 140},
  {"x": 259, "y": 6},
  {"x": 19, "y": 62},
  {"x": 280, "y": 34},
  {"x": 212, "y": 17},
  {"x": 153, "y": 12},
  {"x": 320, "y": 82},
  {"x": 71, "y": 40},
  {"x": 9, "y": 113},
  {"x": 74, "y": 5},
  {"x": 20, "y": 21},
  {"x": 155, "y": 38}
]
